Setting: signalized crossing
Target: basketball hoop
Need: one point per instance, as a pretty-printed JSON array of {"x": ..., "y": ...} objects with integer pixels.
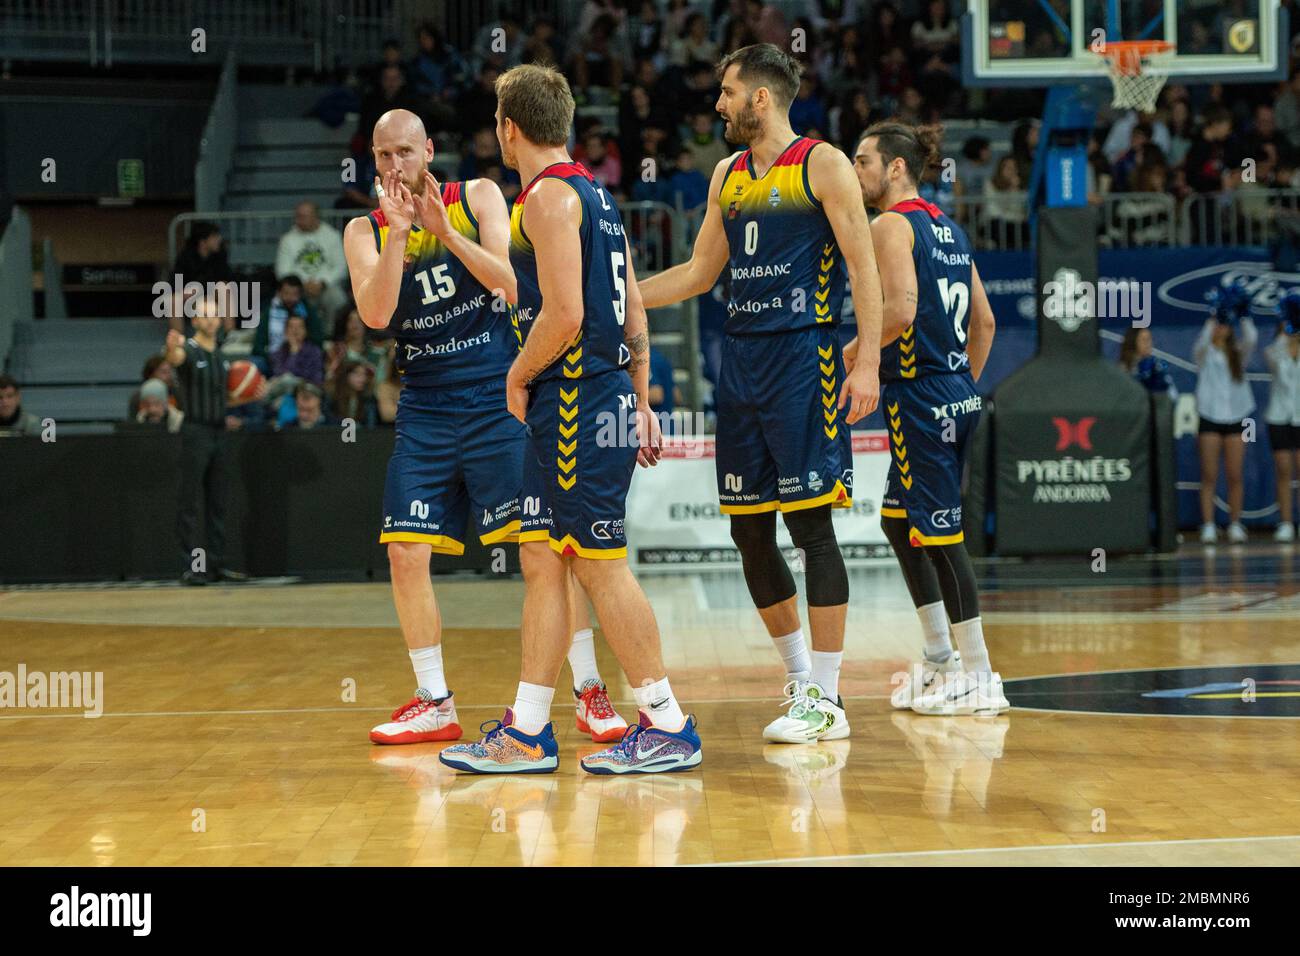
[{"x": 1138, "y": 70}]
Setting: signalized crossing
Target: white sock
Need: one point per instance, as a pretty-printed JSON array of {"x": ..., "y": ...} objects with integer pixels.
[
  {"x": 582, "y": 658},
  {"x": 934, "y": 625},
  {"x": 970, "y": 641},
  {"x": 794, "y": 652},
  {"x": 427, "y": 662},
  {"x": 532, "y": 707},
  {"x": 826, "y": 672},
  {"x": 657, "y": 702}
]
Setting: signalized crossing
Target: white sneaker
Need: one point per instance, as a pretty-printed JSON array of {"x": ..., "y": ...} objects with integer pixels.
[
  {"x": 1209, "y": 533},
  {"x": 423, "y": 719},
  {"x": 920, "y": 679},
  {"x": 1285, "y": 532},
  {"x": 596, "y": 715},
  {"x": 810, "y": 717},
  {"x": 961, "y": 695},
  {"x": 1236, "y": 533}
]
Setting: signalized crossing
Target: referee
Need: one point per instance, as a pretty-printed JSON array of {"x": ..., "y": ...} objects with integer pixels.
[{"x": 201, "y": 376}]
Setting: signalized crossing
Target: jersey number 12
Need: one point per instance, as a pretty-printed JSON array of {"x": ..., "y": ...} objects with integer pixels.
[{"x": 956, "y": 302}]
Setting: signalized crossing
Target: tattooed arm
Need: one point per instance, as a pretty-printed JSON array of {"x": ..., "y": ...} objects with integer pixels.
[
  {"x": 636, "y": 334},
  {"x": 551, "y": 219},
  {"x": 891, "y": 234}
]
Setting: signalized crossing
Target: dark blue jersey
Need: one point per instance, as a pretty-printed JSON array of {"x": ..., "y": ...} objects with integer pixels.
[
  {"x": 450, "y": 330},
  {"x": 935, "y": 343},
  {"x": 784, "y": 270},
  {"x": 599, "y": 346}
]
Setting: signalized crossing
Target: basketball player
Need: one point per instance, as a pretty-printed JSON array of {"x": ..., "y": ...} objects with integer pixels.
[
  {"x": 937, "y": 334},
  {"x": 584, "y": 366},
  {"x": 787, "y": 218},
  {"x": 422, "y": 266}
]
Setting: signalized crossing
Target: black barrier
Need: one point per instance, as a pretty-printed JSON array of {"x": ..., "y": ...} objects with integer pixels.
[
  {"x": 978, "y": 481},
  {"x": 1073, "y": 433},
  {"x": 1164, "y": 477},
  {"x": 103, "y": 507}
]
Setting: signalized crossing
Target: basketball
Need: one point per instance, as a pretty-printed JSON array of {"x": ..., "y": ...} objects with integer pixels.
[{"x": 243, "y": 379}]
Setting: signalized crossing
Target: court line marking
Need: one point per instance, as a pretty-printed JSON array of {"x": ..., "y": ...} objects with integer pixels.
[
  {"x": 1139, "y": 670},
  {"x": 362, "y": 710},
  {"x": 1125, "y": 713},
  {"x": 994, "y": 849},
  {"x": 1174, "y": 667},
  {"x": 716, "y": 700}
]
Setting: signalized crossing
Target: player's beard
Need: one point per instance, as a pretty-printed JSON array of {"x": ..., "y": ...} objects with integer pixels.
[
  {"x": 745, "y": 128},
  {"x": 873, "y": 196}
]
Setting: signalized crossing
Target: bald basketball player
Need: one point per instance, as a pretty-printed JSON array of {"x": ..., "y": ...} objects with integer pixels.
[{"x": 431, "y": 266}]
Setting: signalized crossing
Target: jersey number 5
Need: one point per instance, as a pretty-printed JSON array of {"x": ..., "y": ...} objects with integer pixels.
[
  {"x": 956, "y": 302},
  {"x": 446, "y": 287},
  {"x": 616, "y": 261}
]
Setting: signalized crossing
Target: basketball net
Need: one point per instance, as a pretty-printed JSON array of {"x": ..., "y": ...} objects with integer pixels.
[{"x": 1138, "y": 70}]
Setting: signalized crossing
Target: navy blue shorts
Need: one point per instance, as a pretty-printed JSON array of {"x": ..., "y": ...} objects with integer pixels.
[
  {"x": 782, "y": 441},
  {"x": 459, "y": 456},
  {"x": 582, "y": 452},
  {"x": 930, "y": 423}
]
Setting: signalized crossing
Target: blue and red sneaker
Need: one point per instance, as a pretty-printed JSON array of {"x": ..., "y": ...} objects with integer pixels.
[
  {"x": 505, "y": 749},
  {"x": 649, "y": 749}
]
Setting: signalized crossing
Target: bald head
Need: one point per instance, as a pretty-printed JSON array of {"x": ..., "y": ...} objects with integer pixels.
[
  {"x": 400, "y": 125},
  {"x": 400, "y": 142}
]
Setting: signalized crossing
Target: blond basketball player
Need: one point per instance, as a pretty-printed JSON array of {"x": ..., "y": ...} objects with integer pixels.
[{"x": 431, "y": 266}]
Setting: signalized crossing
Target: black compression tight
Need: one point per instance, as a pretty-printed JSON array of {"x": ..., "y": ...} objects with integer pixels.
[
  {"x": 767, "y": 575},
  {"x": 935, "y": 571}
]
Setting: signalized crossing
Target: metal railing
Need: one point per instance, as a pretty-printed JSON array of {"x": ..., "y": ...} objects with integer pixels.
[
  {"x": 16, "y": 296},
  {"x": 217, "y": 147},
  {"x": 656, "y": 232},
  {"x": 993, "y": 222},
  {"x": 250, "y": 238},
  {"x": 1124, "y": 220},
  {"x": 1138, "y": 219},
  {"x": 1247, "y": 216},
  {"x": 307, "y": 34},
  {"x": 312, "y": 35}
]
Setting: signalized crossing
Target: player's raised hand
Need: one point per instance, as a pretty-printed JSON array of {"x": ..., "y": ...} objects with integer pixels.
[
  {"x": 430, "y": 208},
  {"x": 174, "y": 339},
  {"x": 861, "y": 392},
  {"x": 395, "y": 201},
  {"x": 649, "y": 436}
]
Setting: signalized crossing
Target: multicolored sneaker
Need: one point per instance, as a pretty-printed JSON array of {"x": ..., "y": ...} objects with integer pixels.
[
  {"x": 422, "y": 719},
  {"x": 596, "y": 715},
  {"x": 505, "y": 749},
  {"x": 811, "y": 716},
  {"x": 649, "y": 749}
]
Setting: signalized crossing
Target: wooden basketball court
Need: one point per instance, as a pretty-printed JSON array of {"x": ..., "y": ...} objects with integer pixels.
[{"x": 229, "y": 733}]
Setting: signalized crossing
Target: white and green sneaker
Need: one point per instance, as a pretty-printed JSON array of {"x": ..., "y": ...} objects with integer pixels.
[{"x": 810, "y": 716}]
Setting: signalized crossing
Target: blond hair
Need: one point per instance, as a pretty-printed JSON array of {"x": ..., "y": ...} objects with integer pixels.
[{"x": 537, "y": 100}]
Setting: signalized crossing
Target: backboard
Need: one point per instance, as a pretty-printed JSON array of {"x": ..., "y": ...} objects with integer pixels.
[{"x": 1050, "y": 42}]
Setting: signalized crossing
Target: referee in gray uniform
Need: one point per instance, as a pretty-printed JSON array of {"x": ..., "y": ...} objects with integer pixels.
[{"x": 201, "y": 376}]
